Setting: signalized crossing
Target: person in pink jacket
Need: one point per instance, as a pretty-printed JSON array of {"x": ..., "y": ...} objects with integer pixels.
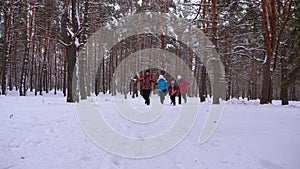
[{"x": 183, "y": 85}]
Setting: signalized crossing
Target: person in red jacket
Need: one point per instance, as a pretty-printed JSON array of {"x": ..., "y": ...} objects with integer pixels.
[
  {"x": 182, "y": 84},
  {"x": 173, "y": 91},
  {"x": 147, "y": 81}
]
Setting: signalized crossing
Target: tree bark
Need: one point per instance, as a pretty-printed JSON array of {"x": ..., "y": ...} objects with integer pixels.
[
  {"x": 7, "y": 46},
  {"x": 23, "y": 86},
  {"x": 70, "y": 37},
  {"x": 82, "y": 75},
  {"x": 71, "y": 55},
  {"x": 266, "y": 85},
  {"x": 65, "y": 74},
  {"x": 203, "y": 84},
  {"x": 3, "y": 56},
  {"x": 216, "y": 82}
]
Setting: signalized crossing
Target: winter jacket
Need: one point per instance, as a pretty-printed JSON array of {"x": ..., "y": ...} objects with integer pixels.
[
  {"x": 162, "y": 84},
  {"x": 183, "y": 84},
  {"x": 173, "y": 91},
  {"x": 146, "y": 82}
]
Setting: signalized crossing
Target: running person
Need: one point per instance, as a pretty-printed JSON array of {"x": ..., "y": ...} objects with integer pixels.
[
  {"x": 147, "y": 81},
  {"x": 182, "y": 84},
  {"x": 173, "y": 91},
  {"x": 162, "y": 88}
]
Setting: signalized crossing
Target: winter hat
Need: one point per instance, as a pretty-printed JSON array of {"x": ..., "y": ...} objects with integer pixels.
[
  {"x": 172, "y": 82},
  {"x": 179, "y": 77},
  {"x": 161, "y": 77}
]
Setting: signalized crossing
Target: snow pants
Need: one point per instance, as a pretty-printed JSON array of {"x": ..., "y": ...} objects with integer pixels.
[
  {"x": 146, "y": 95},
  {"x": 162, "y": 95}
]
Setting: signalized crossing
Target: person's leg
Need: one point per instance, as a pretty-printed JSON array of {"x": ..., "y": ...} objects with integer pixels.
[
  {"x": 184, "y": 97},
  {"x": 133, "y": 93},
  {"x": 136, "y": 92},
  {"x": 173, "y": 100},
  {"x": 144, "y": 96},
  {"x": 147, "y": 95},
  {"x": 179, "y": 98},
  {"x": 161, "y": 96}
]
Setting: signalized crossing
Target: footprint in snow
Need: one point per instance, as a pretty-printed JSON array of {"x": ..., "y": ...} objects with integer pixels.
[
  {"x": 269, "y": 164},
  {"x": 115, "y": 161},
  {"x": 215, "y": 143},
  {"x": 180, "y": 165},
  {"x": 37, "y": 143}
]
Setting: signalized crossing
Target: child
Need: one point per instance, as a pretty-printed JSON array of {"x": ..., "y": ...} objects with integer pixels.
[
  {"x": 173, "y": 91},
  {"x": 162, "y": 88}
]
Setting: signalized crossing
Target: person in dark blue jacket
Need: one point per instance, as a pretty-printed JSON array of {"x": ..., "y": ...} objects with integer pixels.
[{"x": 162, "y": 88}]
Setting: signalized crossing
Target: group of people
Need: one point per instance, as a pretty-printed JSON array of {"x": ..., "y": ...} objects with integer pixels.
[{"x": 174, "y": 89}]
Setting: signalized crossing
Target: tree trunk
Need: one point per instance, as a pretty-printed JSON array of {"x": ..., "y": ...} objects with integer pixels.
[
  {"x": 69, "y": 41},
  {"x": 33, "y": 62},
  {"x": 55, "y": 72},
  {"x": 71, "y": 54},
  {"x": 41, "y": 78},
  {"x": 216, "y": 82},
  {"x": 284, "y": 95},
  {"x": 4, "y": 57},
  {"x": 65, "y": 74},
  {"x": 32, "y": 41},
  {"x": 35, "y": 76},
  {"x": 7, "y": 46},
  {"x": 26, "y": 53},
  {"x": 266, "y": 85},
  {"x": 103, "y": 76},
  {"x": 82, "y": 75},
  {"x": 203, "y": 84}
]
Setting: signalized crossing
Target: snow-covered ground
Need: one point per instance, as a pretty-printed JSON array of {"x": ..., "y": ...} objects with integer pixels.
[{"x": 43, "y": 132}]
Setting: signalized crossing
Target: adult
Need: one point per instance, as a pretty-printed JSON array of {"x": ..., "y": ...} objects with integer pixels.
[
  {"x": 183, "y": 85},
  {"x": 147, "y": 81}
]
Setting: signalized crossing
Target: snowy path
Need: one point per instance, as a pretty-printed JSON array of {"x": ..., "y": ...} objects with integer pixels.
[{"x": 44, "y": 132}]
